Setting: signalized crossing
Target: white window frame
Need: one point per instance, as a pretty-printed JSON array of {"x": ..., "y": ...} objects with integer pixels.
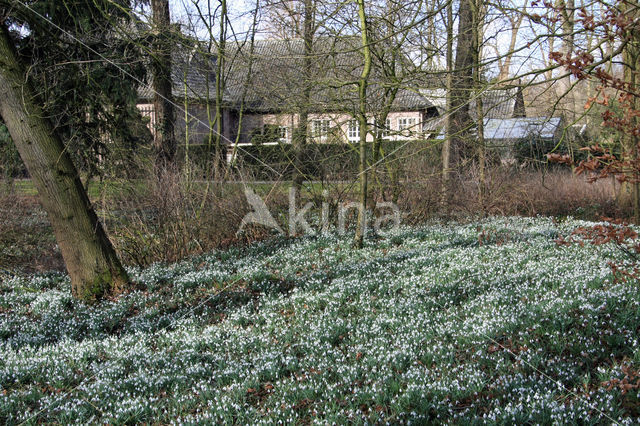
[
  {"x": 386, "y": 131},
  {"x": 320, "y": 128},
  {"x": 283, "y": 134},
  {"x": 353, "y": 131},
  {"x": 406, "y": 123}
]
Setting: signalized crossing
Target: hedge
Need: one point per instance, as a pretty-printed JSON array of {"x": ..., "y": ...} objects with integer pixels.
[{"x": 332, "y": 160}]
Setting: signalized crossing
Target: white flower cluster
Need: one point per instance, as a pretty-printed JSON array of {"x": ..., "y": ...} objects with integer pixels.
[{"x": 489, "y": 321}]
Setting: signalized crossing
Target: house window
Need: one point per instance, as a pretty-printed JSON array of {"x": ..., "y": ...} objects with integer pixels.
[
  {"x": 406, "y": 123},
  {"x": 386, "y": 132},
  {"x": 283, "y": 134},
  {"x": 353, "y": 132},
  {"x": 383, "y": 131},
  {"x": 147, "y": 111},
  {"x": 320, "y": 128}
]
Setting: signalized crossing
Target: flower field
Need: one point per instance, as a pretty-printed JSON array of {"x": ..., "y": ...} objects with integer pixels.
[{"x": 484, "y": 322}]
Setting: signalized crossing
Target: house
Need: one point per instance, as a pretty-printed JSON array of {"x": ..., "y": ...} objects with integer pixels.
[
  {"x": 506, "y": 124},
  {"x": 497, "y": 103},
  {"x": 193, "y": 76},
  {"x": 272, "y": 94},
  {"x": 505, "y": 120},
  {"x": 264, "y": 92}
]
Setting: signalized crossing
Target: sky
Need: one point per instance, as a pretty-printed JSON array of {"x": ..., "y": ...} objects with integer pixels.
[
  {"x": 240, "y": 12},
  {"x": 185, "y": 12}
]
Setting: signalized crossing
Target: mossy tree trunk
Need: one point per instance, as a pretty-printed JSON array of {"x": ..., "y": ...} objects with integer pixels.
[
  {"x": 362, "y": 119},
  {"x": 90, "y": 259}
]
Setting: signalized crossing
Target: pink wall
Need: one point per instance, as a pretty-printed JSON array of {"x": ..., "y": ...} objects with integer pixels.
[
  {"x": 198, "y": 122},
  {"x": 338, "y": 125}
]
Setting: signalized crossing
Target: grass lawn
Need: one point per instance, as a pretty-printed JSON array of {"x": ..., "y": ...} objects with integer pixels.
[
  {"x": 489, "y": 321},
  {"x": 96, "y": 189},
  {"x": 116, "y": 188}
]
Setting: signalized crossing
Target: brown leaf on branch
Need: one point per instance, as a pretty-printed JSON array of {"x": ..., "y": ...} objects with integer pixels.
[{"x": 560, "y": 158}]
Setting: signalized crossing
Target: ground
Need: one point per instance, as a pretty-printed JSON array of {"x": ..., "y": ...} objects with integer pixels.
[
  {"x": 27, "y": 243},
  {"x": 486, "y": 321}
]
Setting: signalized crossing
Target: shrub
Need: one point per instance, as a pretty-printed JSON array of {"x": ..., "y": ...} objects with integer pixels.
[{"x": 327, "y": 161}]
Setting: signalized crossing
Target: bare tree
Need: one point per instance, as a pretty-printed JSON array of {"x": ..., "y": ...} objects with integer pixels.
[
  {"x": 459, "y": 94},
  {"x": 396, "y": 30},
  {"x": 216, "y": 45},
  {"x": 364, "y": 127},
  {"x": 515, "y": 15},
  {"x": 449, "y": 124},
  {"x": 164, "y": 138},
  {"x": 566, "y": 11},
  {"x": 289, "y": 19},
  {"x": 477, "y": 44}
]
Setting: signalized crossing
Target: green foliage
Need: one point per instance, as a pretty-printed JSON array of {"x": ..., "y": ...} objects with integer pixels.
[
  {"x": 86, "y": 67},
  {"x": 534, "y": 150},
  {"x": 268, "y": 134},
  {"x": 331, "y": 160}
]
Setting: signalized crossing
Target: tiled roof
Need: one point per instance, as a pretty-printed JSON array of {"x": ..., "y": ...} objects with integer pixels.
[
  {"x": 277, "y": 82},
  {"x": 407, "y": 99},
  {"x": 191, "y": 68},
  {"x": 500, "y": 102}
]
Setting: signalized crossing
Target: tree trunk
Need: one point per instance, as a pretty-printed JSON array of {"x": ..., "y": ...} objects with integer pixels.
[
  {"x": 362, "y": 119},
  {"x": 245, "y": 85},
  {"x": 446, "y": 146},
  {"x": 90, "y": 259},
  {"x": 220, "y": 83},
  {"x": 505, "y": 67},
  {"x": 388, "y": 58},
  {"x": 460, "y": 123},
  {"x": 299, "y": 138},
  {"x": 377, "y": 149},
  {"x": 478, "y": 21},
  {"x": 462, "y": 83},
  {"x": 164, "y": 139}
]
